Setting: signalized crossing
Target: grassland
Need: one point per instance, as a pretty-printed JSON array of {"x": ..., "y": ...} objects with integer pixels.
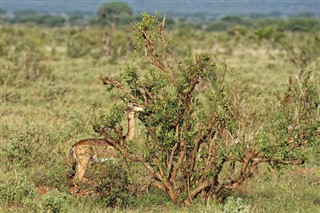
[{"x": 47, "y": 93}]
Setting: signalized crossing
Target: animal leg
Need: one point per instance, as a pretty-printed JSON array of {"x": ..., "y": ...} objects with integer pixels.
[{"x": 82, "y": 164}]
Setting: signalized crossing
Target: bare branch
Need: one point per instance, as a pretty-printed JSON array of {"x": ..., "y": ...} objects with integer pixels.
[
  {"x": 150, "y": 49},
  {"x": 247, "y": 169},
  {"x": 196, "y": 191},
  {"x": 182, "y": 153},
  {"x": 171, "y": 160},
  {"x": 157, "y": 162}
]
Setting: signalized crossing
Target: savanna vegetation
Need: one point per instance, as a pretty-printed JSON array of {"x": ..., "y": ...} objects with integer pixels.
[{"x": 231, "y": 120}]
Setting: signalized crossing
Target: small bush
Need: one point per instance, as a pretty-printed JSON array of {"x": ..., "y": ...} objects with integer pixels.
[
  {"x": 79, "y": 45},
  {"x": 18, "y": 191},
  {"x": 52, "y": 201},
  {"x": 115, "y": 186},
  {"x": 22, "y": 193},
  {"x": 23, "y": 62}
]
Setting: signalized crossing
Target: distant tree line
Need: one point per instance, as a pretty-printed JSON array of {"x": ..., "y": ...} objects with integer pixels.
[{"x": 117, "y": 14}]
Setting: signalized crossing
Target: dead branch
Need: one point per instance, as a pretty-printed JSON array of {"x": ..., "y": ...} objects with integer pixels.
[{"x": 150, "y": 49}]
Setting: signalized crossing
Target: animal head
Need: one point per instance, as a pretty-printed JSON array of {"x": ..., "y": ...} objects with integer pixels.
[{"x": 133, "y": 107}]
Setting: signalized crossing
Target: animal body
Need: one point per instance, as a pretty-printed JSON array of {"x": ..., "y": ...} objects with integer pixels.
[{"x": 99, "y": 150}]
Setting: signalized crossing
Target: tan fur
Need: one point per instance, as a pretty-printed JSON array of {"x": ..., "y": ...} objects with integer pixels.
[
  {"x": 85, "y": 150},
  {"x": 98, "y": 150}
]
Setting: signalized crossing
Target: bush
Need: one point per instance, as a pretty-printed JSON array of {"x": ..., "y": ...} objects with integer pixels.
[
  {"x": 115, "y": 185},
  {"x": 300, "y": 51},
  {"x": 21, "y": 193},
  {"x": 22, "y": 57},
  {"x": 206, "y": 147},
  {"x": 301, "y": 24},
  {"x": 79, "y": 45},
  {"x": 17, "y": 191}
]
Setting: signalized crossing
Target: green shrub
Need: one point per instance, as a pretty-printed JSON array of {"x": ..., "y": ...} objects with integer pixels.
[
  {"x": 115, "y": 185},
  {"x": 17, "y": 191},
  {"x": 301, "y": 24},
  {"x": 22, "y": 193},
  {"x": 53, "y": 201},
  {"x": 22, "y": 57},
  {"x": 206, "y": 147},
  {"x": 79, "y": 45}
]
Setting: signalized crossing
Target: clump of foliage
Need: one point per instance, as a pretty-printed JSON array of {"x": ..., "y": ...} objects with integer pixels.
[
  {"x": 111, "y": 13},
  {"x": 32, "y": 17},
  {"x": 79, "y": 45},
  {"x": 303, "y": 52},
  {"x": 116, "y": 185},
  {"x": 26, "y": 65},
  {"x": 206, "y": 145},
  {"x": 23, "y": 193},
  {"x": 116, "y": 45},
  {"x": 22, "y": 58}
]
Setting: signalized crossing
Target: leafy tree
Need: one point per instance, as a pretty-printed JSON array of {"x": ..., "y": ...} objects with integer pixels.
[
  {"x": 2, "y": 16},
  {"x": 2, "y": 11},
  {"x": 205, "y": 145},
  {"x": 77, "y": 19},
  {"x": 25, "y": 13},
  {"x": 302, "y": 24},
  {"x": 51, "y": 21},
  {"x": 112, "y": 12},
  {"x": 30, "y": 16}
]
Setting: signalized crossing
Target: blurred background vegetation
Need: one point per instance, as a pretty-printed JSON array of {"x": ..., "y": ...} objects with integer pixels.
[
  {"x": 122, "y": 14},
  {"x": 50, "y": 68}
]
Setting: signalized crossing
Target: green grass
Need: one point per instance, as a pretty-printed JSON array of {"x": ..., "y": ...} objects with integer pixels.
[
  {"x": 293, "y": 191},
  {"x": 41, "y": 118}
]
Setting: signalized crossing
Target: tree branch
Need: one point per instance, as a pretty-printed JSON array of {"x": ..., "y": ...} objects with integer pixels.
[
  {"x": 112, "y": 82},
  {"x": 199, "y": 139},
  {"x": 171, "y": 160},
  {"x": 182, "y": 153},
  {"x": 167, "y": 186}
]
